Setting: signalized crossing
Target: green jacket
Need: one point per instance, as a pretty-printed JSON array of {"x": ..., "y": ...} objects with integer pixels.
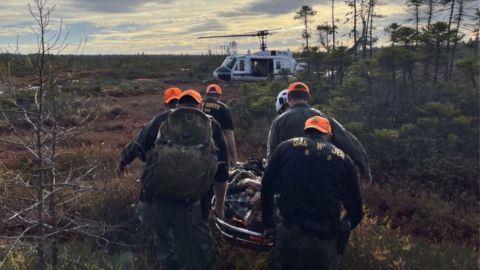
[{"x": 291, "y": 123}]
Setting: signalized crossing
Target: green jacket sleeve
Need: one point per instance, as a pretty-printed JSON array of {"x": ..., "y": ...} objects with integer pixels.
[
  {"x": 272, "y": 140},
  {"x": 349, "y": 144}
]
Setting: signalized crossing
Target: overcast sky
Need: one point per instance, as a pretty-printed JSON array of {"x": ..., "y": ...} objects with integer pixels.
[{"x": 173, "y": 26}]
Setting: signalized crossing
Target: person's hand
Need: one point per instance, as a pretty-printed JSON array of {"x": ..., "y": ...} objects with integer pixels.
[
  {"x": 219, "y": 211},
  {"x": 366, "y": 181},
  {"x": 122, "y": 170}
]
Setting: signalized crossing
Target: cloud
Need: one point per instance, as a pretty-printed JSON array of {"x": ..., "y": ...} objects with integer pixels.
[
  {"x": 236, "y": 13},
  {"x": 209, "y": 26},
  {"x": 172, "y": 26},
  {"x": 114, "y": 6},
  {"x": 275, "y": 7}
]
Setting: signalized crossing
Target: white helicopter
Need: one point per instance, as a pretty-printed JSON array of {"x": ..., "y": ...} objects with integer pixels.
[{"x": 259, "y": 65}]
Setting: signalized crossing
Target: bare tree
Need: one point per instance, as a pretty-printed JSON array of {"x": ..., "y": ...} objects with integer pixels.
[
  {"x": 355, "y": 25},
  {"x": 333, "y": 25},
  {"x": 457, "y": 36},
  {"x": 365, "y": 17},
  {"x": 476, "y": 29},
  {"x": 51, "y": 188},
  {"x": 431, "y": 4},
  {"x": 41, "y": 14},
  {"x": 372, "y": 14},
  {"x": 304, "y": 13},
  {"x": 449, "y": 37},
  {"x": 353, "y": 4},
  {"x": 414, "y": 7}
]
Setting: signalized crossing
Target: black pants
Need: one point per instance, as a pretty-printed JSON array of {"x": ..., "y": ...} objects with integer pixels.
[{"x": 296, "y": 249}]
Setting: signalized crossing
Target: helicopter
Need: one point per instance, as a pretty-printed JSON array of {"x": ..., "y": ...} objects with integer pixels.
[{"x": 259, "y": 65}]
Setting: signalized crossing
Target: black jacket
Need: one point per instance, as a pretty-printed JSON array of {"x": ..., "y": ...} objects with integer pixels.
[
  {"x": 314, "y": 179},
  {"x": 145, "y": 141},
  {"x": 220, "y": 111},
  {"x": 290, "y": 125}
]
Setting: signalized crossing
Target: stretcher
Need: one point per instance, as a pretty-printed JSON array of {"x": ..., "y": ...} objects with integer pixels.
[
  {"x": 233, "y": 229},
  {"x": 235, "y": 233}
]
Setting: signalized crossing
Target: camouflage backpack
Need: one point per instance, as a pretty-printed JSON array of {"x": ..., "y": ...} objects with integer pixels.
[{"x": 182, "y": 164}]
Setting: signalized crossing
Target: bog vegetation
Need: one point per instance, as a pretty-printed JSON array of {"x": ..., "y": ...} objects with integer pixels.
[{"x": 414, "y": 104}]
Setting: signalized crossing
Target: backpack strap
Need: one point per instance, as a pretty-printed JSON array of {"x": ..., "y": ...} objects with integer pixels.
[{"x": 159, "y": 132}]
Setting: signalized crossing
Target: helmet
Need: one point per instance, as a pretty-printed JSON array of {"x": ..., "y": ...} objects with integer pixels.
[{"x": 281, "y": 100}]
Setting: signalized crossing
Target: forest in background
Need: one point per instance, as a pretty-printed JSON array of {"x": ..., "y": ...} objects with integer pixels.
[{"x": 413, "y": 103}]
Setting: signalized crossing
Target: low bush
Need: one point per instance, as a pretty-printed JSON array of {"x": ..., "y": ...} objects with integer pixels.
[
  {"x": 70, "y": 121},
  {"x": 424, "y": 214},
  {"x": 373, "y": 246},
  {"x": 4, "y": 127},
  {"x": 114, "y": 111}
]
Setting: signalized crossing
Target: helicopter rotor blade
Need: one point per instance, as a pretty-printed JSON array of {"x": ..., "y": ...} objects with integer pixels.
[
  {"x": 240, "y": 35},
  {"x": 262, "y": 36},
  {"x": 266, "y": 31}
]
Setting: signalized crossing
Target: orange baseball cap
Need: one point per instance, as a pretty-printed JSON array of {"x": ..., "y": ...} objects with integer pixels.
[
  {"x": 213, "y": 89},
  {"x": 192, "y": 93},
  {"x": 298, "y": 86},
  {"x": 319, "y": 123},
  {"x": 171, "y": 93}
]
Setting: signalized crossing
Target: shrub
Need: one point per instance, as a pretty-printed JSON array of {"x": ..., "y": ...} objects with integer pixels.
[
  {"x": 114, "y": 127},
  {"x": 114, "y": 111},
  {"x": 374, "y": 246},
  {"x": 4, "y": 127},
  {"x": 70, "y": 121},
  {"x": 424, "y": 214}
]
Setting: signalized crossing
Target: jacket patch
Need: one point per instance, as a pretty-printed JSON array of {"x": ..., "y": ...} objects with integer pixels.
[
  {"x": 212, "y": 106},
  {"x": 338, "y": 153},
  {"x": 299, "y": 142},
  {"x": 320, "y": 146}
]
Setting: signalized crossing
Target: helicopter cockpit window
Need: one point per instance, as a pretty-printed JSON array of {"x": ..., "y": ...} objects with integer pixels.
[
  {"x": 240, "y": 66},
  {"x": 229, "y": 63}
]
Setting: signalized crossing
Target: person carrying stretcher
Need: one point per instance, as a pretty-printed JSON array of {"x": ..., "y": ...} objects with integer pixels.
[{"x": 314, "y": 179}]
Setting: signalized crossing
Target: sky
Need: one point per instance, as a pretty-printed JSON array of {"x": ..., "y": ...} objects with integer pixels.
[{"x": 173, "y": 26}]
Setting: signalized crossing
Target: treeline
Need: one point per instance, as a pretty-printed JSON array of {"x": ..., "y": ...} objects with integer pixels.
[
  {"x": 463, "y": 19},
  {"x": 117, "y": 66}
]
